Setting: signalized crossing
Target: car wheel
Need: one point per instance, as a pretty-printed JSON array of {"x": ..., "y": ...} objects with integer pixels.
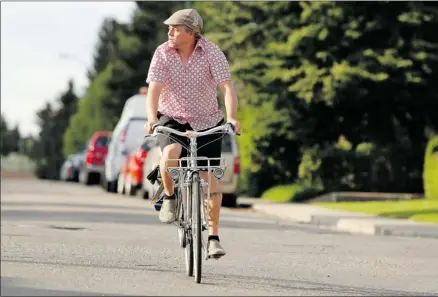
[
  {"x": 112, "y": 186},
  {"x": 129, "y": 188},
  {"x": 145, "y": 193},
  {"x": 84, "y": 177},
  {"x": 121, "y": 185},
  {"x": 229, "y": 200}
]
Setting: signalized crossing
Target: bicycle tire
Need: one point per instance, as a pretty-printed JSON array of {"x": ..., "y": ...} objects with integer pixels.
[
  {"x": 188, "y": 249},
  {"x": 180, "y": 217},
  {"x": 197, "y": 227}
]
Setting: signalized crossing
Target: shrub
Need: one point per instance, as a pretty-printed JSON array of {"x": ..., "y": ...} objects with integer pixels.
[
  {"x": 289, "y": 193},
  {"x": 430, "y": 172}
]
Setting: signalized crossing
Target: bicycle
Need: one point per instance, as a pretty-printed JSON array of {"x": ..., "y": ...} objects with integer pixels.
[{"x": 188, "y": 189}]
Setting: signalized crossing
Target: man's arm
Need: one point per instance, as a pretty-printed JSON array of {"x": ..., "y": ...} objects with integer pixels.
[
  {"x": 156, "y": 77},
  {"x": 154, "y": 92},
  {"x": 220, "y": 70},
  {"x": 230, "y": 98}
]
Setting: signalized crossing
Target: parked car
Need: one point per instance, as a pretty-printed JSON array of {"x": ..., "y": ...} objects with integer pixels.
[
  {"x": 152, "y": 161},
  {"x": 126, "y": 136},
  {"x": 229, "y": 182},
  {"x": 93, "y": 160},
  {"x": 131, "y": 174},
  {"x": 70, "y": 168}
]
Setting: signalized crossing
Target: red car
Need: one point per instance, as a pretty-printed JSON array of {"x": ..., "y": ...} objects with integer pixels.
[{"x": 94, "y": 158}]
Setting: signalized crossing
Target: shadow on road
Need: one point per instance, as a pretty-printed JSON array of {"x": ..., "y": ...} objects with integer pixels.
[
  {"x": 146, "y": 218},
  {"x": 251, "y": 282},
  {"x": 11, "y": 286},
  {"x": 15, "y": 287}
]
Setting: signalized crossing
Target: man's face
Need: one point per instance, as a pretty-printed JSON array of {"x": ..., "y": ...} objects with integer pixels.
[{"x": 178, "y": 36}]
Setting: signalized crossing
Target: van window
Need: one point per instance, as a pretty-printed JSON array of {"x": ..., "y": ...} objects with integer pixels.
[
  {"x": 227, "y": 146},
  {"x": 435, "y": 150}
]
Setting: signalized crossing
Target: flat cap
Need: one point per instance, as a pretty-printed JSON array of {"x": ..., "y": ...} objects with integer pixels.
[{"x": 188, "y": 17}]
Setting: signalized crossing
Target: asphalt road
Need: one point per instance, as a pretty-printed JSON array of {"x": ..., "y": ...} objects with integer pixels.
[{"x": 68, "y": 239}]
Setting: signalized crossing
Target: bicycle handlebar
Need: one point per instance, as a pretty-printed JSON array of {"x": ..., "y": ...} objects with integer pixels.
[{"x": 227, "y": 128}]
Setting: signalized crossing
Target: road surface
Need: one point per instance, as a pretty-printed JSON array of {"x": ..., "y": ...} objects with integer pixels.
[{"x": 67, "y": 239}]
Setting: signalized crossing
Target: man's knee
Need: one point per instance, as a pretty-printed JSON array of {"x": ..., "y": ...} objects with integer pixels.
[{"x": 172, "y": 151}]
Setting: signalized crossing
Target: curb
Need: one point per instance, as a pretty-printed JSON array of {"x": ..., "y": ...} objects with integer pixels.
[{"x": 355, "y": 223}]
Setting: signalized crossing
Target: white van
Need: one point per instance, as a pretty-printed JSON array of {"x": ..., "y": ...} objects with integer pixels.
[{"x": 127, "y": 136}]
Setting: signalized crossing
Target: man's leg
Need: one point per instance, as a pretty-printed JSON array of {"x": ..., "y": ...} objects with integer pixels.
[
  {"x": 215, "y": 249},
  {"x": 171, "y": 151},
  {"x": 211, "y": 147},
  {"x": 168, "y": 209},
  {"x": 215, "y": 202}
]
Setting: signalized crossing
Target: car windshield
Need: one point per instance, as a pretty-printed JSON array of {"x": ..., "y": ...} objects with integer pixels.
[{"x": 102, "y": 141}]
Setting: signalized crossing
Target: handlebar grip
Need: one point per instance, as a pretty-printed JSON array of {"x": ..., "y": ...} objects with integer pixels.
[
  {"x": 233, "y": 127},
  {"x": 155, "y": 126}
]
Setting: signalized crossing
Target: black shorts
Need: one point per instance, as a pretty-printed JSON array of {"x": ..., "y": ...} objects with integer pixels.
[{"x": 209, "y": 146}]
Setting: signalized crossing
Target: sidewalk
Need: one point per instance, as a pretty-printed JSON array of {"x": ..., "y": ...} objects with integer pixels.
[{"x": 344, "y": 221}]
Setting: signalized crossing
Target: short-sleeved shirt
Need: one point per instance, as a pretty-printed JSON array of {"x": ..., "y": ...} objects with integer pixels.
[{"x": 190, "y": 92}]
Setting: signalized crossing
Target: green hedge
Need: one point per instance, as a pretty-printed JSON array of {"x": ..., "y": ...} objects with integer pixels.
[
  {"x": 289, "y": 193},
  {"x": 430, "y": 174}
]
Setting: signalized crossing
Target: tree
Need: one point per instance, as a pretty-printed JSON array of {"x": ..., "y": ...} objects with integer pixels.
[
  {"x": 133, "y": 51},
  {"x": 4, "y": 130},
  {"x": 10, "y": 138},
  {"x": 44, "y": 147},
  {"x": 313, "y": 71},
  {"x": 90, "y": 115},
  {"x": 47, "y": 149},
  {"x": 104, "y": 51}
]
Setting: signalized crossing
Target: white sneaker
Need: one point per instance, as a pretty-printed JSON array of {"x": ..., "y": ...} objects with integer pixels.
[
  {"x": 167, "y": 211},
  {"x": 215, "y": 249}
]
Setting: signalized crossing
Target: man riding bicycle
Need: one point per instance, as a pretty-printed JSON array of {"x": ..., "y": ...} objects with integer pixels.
[{"x": 183, "y": 77}]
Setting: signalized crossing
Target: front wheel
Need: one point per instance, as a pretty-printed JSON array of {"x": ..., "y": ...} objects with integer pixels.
[
  {"x": 188, "y": 234},
  {"x": 197, "y": 227}
]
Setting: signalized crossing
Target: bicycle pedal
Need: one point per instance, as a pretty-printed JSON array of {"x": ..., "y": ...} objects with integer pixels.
[
  {"x": 158, "y": 194},
  {"x": 158, "y": 205}
]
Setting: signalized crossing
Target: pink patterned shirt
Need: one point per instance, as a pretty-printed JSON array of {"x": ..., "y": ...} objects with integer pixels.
[{"x": 190, "y": 92}]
